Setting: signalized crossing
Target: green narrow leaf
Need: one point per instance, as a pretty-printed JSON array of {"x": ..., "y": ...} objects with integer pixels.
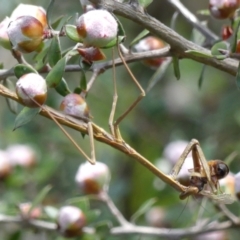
[
  {"x": 83, "y": 81},
  {"x": 235, "y": 37},
  {"x": 51, "y": 212},
  {"x": 219, "y": 45},
  {"x": 67, "y": 50},
  {"x": 38, "y": 56},
  {"x": 114, "y": 42},
  {"x": 55, "y": 75},
  {"x": 87, "y": 236},
  {"x": 77, "y": 90},
  {"x": 204, "y": 12},
  {"x": 199, "y": 54},
  {"x": 92, "y": 215},
  {"x": 197, "y": 37},
  {"x": 57, "y": 22},
  {"x": 103, "y": 228},
  {"x": 176, "y": 68},
  {"x": 232, "y": 156},
  {"x": 145, "y": 3},
  {"x": 25, "y": 116},
  {"x": 200, "y": 80},
  {"x": 40, "y": 197},
  {"x": 81, "y": 202},
  {"x": 83, "y": 135},
  {"x": 174, "y": 20},
  {"x": 71, "y": 53},
  {"x": 41, "y": 58},
  {"x": 238, "y": 77},
  {"x": 15, "y": 236},
  {"x": 139, "y": 37},
  {"x": 62, "y": 238},
  {"x": 12, "y": 105},
  {"x": 40, "y": 47},
  {"x": 220, "y": 57},
  {"x": 22, "y": 69},
  {"x": 158, "y": 75},
  {"x": 62, "y": 88},
  {"x": 121, "y": 31},
  {"x": 143, "y": 209},
  {"x": 54, "y": 54},
  {"x": 85, "y": 66},
  {"x": 49, "y": 11},
  {"x": 1, "y": 65},
  {"x": 72, "y": 33}
]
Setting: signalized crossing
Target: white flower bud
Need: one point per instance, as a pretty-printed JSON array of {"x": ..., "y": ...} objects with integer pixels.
[
  {"x": 70, "y": 221},
  {"x": 227, "y": 184},
  {"x": 26, "y": 34},
  {"x": 93, "y": 179},
  {"x": 5, "y": 166},
  {"x": 30, "y": 10},
  {"x": 217, "y": 235},
  {"x": 184, "y": 174},
  {"x": 237, "y": 185},
  {"x": 156, "y": 217},
  {"x": 74, "y": 105},
  {"x": 35, "y": 213},
  {"x": 223, "y": 9},
  {"x": 21, "y": 155},
  {"x": 97, "y": 28},
  {"x": 4, "y": 39},
  {"x": 31, "y": 86},
  {"x": 173, "y": 150},
  {"x": 148, "y": 44}
]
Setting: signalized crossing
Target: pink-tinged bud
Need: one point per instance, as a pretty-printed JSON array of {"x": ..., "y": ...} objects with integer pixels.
[
  {"x": 156, "y": 217},
  {"x": 91, "y": 54},
  {"x": 71, "y": 221},
  {"x": 173, "y": 150},
  {"x": 30, "y": 10},
  {"x": 26, "y": 34},
  {"x": 184, "y": 175},
  {"x": 93, "y": 179},
  {"x": 217, "y": 235},
  {"x": 171, "y": 154},
  {"x": 5, "y": 165},
  {"x": 222, "y": 9},
  {"x": 74, "y": 105},
  {"x": 97, "y": 28},
  {"x": 31, "y": 88},
  {"x": 4, "y": 39},
  {"x": 237, "y": 185},
  {"x": 148, "y": 44},
  {"x": 35, "y": 213},
  {"x": 227, "y": 184},
  {"x": 22, "y": 155}
]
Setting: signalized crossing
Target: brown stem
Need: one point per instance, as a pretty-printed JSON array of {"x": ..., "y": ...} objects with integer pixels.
[{"x": 100, "y": 135}]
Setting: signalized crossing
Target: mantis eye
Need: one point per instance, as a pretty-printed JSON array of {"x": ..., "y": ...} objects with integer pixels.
[{"x": 222, "y": 170}]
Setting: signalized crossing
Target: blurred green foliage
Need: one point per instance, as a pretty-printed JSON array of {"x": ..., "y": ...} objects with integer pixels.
[{"x": 172, "y": 110}]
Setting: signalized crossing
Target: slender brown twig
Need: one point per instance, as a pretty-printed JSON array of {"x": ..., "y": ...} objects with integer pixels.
[{"x": 100, "y": 135}]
